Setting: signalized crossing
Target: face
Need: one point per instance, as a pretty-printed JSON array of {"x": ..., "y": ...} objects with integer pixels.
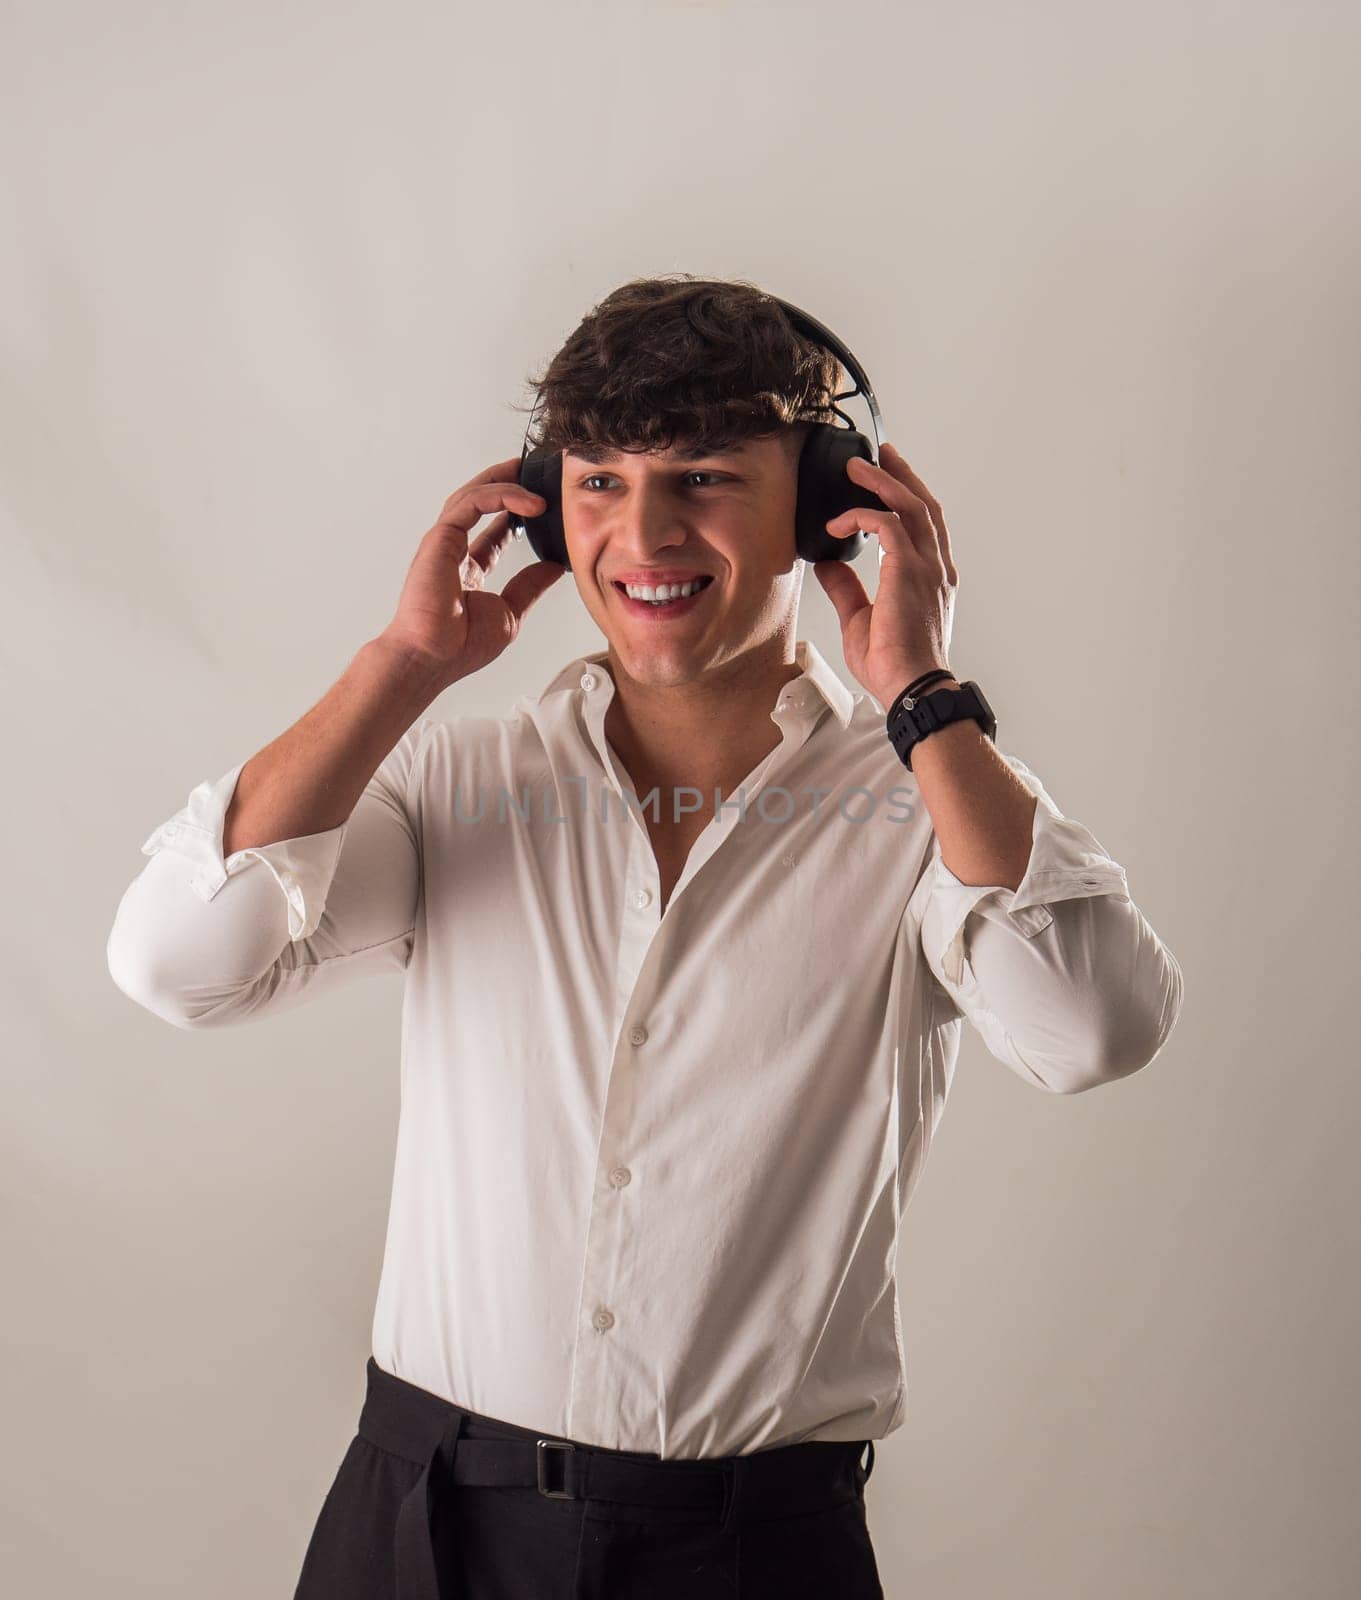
[{"x": 653, "y": 519}]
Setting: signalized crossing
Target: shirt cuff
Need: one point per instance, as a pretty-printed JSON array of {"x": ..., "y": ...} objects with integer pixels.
[
  {"x": 1066, "y": 863},
  {"x": 302, "y": 867}
]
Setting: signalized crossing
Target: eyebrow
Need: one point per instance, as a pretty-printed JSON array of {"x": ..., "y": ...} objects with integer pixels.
[{"x": 605, "y": 457}]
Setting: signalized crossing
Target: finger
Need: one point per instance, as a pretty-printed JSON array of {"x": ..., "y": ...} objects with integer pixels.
[
  {"x": 844, "y": 589},
  {"x": 508, "y": 470},
  {"x": 895, "y": 462},
  {"x": 528, "y": 584},
  {"x": 467, "y": 505},
  {"x": 945, "y": 555},
  {"x": 486, "y": 549},
  {"x": 912, "y": 510},
  {"x": 896, "y": 537},
  {"x": 442, "y": 554}
]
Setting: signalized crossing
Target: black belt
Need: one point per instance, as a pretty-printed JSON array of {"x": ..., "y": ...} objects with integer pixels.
[{"x": 410, "y": 1422}]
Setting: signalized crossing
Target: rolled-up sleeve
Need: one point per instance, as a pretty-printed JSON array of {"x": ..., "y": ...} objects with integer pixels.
[
  {"x": 1063, "y": 977},
  {"x": 202, "y": 939},
  {"x": 302, "y": 867}
]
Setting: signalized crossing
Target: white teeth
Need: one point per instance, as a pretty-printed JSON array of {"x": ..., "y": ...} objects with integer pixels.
[{"x": 662, "y": 591}]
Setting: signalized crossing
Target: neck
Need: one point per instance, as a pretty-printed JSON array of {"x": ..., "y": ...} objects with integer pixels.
[{"x": 708, "y": 733}]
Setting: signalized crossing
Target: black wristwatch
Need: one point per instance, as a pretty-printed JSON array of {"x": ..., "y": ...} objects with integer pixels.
[{"x": 911, "y": 720}]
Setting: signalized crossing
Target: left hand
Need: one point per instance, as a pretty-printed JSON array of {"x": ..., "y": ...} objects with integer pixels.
[{"x": 906, "y": 630}]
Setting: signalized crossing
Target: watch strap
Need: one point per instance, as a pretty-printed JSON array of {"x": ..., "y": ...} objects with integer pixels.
[{"x": 911, "y": 720}]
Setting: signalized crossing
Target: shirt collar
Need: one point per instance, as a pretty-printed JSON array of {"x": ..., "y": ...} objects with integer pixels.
[{"x": 803, "y": 696}]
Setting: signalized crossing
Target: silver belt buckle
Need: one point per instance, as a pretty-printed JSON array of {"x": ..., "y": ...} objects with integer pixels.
[{"x": 553, "y": 1444}]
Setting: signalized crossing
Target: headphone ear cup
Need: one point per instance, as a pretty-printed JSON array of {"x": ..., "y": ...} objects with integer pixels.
[
  {"x": 826, "y": 490},
  {"x": 541, "y": 473}
]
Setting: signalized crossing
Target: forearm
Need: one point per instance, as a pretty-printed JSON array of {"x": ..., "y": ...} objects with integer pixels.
[
  {"x": 309, "y": 779},
  {"x": 982, "y": 813}
]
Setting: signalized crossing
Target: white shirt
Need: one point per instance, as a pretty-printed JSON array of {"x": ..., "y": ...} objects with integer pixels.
[{"x": 650, "y": 1170}]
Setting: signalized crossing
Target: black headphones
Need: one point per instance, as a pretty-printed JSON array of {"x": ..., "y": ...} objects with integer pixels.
[{"x": 825, "y": 488}]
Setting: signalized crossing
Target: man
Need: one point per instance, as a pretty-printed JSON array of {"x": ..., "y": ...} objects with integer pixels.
[{"x": 672, "y": 1055}]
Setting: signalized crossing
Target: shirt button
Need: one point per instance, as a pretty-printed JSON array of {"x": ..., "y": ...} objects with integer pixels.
[
  {"x": 788, "y": 860},
  {"x": 641, "y": 897},
  {"x": 603, "y": 1318},
  {"x": 782, "y": 705},
  {"x": 620, "y": 1177},
  {"x": 588, "y": 680},
  {"x": 637, "y": 1034}
]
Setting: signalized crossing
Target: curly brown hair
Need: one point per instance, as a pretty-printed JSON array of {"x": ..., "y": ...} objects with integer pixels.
[{"x": 677, "y": 361}]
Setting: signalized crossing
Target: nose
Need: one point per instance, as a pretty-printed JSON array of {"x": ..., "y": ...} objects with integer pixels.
[{"x": 646, "y": 523}]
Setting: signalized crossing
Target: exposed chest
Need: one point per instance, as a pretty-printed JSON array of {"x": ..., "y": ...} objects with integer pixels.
[{"x": 671, "y": 845}]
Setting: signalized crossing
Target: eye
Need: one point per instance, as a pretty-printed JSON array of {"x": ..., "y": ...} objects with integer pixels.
[{"x": 697, "y": 473}]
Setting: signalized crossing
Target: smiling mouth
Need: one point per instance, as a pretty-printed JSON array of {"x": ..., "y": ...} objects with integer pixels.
[{"x": 664, "y": 608}]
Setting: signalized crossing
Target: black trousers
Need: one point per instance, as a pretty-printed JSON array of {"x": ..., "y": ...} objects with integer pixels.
[{"x": 435, "y": 1502}]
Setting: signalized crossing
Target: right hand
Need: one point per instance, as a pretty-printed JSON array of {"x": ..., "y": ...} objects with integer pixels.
[{"x": 445, "y": 619}]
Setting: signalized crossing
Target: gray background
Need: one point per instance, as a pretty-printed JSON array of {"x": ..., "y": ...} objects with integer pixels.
[{"x": 272, "y": 281}]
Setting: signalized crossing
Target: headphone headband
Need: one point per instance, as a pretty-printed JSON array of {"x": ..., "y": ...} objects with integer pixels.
[{"x": 808, "y": 325}]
